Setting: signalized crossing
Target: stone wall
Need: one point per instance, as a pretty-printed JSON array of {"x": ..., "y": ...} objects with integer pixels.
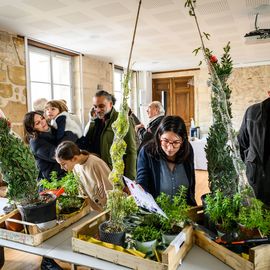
[
  {"x": 13, "y": 79},
  {"x": 95, "y": 74},
  {"x": 249, "y": 85}
]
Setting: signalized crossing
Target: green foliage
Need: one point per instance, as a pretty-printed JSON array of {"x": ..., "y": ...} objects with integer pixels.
[
  {"x": 146, "y": 233},
  {"x": 17, "y": 165},
  {"x": 70, "y": 182},
  {"x": 222, "y": 174},
  {"x": 120, "y": 206},
  {"x": 255, "y": 216},
  {"x": 118, "y": 203},
  {"x": 225, "y": 167},
  {"x": 223, "y": 209},
  {"x": 68, "y": 204},
  {"x": 176, "y": 210},
  {"x": 53, "y": 184}
]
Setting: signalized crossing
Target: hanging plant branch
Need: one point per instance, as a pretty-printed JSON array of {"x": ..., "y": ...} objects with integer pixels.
[
  {"x": 116, "y": 197},
  {"x": 219, "y": 74}
]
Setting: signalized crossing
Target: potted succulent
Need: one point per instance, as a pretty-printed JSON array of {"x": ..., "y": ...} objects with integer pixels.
[{"x": 20, "y": 173}]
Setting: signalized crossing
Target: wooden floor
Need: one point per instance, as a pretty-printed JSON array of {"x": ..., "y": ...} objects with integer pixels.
[{"x": 17, "y": 260}]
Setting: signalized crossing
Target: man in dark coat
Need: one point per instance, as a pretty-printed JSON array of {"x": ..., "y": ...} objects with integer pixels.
[
  {"x": 254, "y": 140},
  {"x": 155, "y": 113}
]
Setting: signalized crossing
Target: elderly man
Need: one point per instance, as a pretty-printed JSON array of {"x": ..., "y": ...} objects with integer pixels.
[
  {"x": 100, "y": 134},
  {"x": 254, "y": 144},
  {"x": 155, "y": 113}
]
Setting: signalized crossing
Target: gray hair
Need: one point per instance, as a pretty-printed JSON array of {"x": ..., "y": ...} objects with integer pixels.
[{"x": 159, "y": 106}]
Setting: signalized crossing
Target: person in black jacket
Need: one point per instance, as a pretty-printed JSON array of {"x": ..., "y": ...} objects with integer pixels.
[
  {"x": 254, "y": 141},
  {"x": 43, "y": 142},
  {"x": 166, "y": 162},
  {"x": 155, "y": 113}
]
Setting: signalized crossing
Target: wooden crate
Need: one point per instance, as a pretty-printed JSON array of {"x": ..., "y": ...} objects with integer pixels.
[
  {"x": 35, "y": 236},
  {"x": 259, "y": 258},
  {"x": 170, "y": 257}
]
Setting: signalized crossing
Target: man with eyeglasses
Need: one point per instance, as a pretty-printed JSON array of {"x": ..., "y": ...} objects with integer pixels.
[
  {"x": 254, "y": 141},
  {"x": 100, "y": 134},
  {"x": 155, "y": 113}
]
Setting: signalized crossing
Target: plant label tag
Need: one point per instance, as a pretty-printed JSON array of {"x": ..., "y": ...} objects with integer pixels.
[
  {"x": 143, "y": 198},
  {"x": 178, "y": 241}
]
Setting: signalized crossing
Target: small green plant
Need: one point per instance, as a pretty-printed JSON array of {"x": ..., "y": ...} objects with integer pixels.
[
  {"x": 176, "y": 210},
  {"x": 255, "y": 216},
  {"x": 222, "y": 209},
  {"x": 17, "y": 165},
  {"x": 146, "y": 233},
  {"x": 125, "y": 205},
  {"x": 70, "y": 183}
]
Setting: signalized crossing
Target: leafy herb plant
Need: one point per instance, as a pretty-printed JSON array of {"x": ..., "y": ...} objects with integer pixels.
[
  {"x": 146, "y": 233},
  {"x": 176, "y": 210}
]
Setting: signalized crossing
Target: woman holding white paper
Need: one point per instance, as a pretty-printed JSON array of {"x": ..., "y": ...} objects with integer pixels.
[{"x": 166, "y": 162}]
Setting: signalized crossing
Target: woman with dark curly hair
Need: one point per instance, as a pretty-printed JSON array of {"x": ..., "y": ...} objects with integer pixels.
[{"x": 166, "y": 162}]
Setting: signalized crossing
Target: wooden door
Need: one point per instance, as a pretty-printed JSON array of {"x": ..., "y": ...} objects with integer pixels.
[
  {"x": 183, "y": 99},
  {"x": 162, "y": 87},
  {"x": 179, "y": 96}
]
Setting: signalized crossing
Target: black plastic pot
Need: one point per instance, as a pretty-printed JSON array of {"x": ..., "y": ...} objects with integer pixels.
[
  {"x": 40, "y": 212},
  {"x": 116, "y": 238}
]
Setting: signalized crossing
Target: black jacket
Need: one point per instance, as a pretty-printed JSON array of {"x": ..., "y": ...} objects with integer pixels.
[
  {"x": 148, "y": 174},
  {"x": 43, "y": 148},
  {"x": 145, "y": 135},
  {"x": 254, "y": 148}
]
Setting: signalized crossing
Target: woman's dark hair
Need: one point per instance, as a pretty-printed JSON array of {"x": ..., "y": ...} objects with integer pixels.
[
  {"x": 174, "y": 124},
  {"x": 29, "y": 125},
  {"x": 67, "y": 150}
]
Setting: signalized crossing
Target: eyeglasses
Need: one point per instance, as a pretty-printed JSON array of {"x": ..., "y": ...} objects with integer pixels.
[{"x": 175, "y": 144}]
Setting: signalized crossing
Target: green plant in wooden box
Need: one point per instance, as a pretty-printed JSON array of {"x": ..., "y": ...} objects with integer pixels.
[
  {"x": 223, "y": 210},
  {"x": 176, "y": 209},
  {"x": 70, "y": 201},
  {"x": 255, "y": 216}
]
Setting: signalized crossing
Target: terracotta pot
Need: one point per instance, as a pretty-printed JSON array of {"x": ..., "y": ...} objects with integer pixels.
[{"x": 14, "y": 226}]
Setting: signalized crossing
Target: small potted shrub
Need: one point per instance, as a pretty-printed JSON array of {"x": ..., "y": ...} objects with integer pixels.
[
  {"x": 177, "y": 211},
  {"x": 20, "y": 173},
  {"x": 254, "y": 219},
  {"x": 223, "y": 210},
  {"x": 146, "y": 238}
]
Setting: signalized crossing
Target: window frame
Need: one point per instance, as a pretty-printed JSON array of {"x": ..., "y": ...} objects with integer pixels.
[{"x": 51, "y": 54}]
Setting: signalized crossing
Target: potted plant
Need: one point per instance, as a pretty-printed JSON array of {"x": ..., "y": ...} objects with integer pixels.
[
  {"x": 67, "y": 191},
  {"x": 176, "y": 210},
  {"x": 146, "y": 238},
  {"x": 254, "y": 219},
  {"x": 223, "y": 210},
  {"x": 20, "y": 173}
]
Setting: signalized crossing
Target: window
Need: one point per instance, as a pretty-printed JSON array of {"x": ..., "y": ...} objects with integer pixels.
[
  {"x": 118, "y": 77},
  {"x": 50, "y": 75}
]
